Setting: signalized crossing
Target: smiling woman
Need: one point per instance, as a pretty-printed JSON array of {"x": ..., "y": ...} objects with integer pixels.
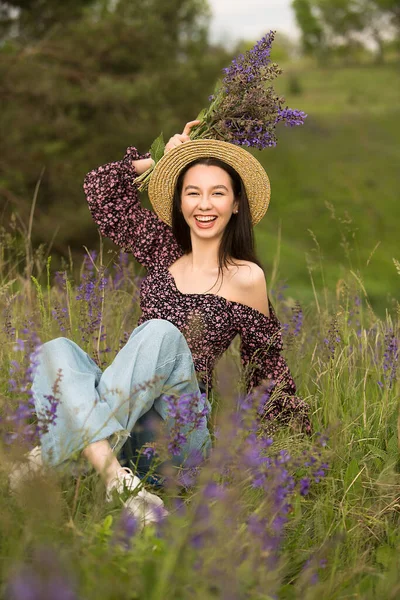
[{"x": 211, "y": 193}]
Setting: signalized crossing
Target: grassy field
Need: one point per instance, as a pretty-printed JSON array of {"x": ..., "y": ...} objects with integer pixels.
[
  {"x": 334, "y": 186},
  {"x": 301, "y": 518},
  {"x": 335, "y": 181},
  {"x": 298, "y": 519}
]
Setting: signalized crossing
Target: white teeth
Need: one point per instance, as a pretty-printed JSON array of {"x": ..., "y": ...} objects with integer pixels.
[{"x": 205, "y": 219}]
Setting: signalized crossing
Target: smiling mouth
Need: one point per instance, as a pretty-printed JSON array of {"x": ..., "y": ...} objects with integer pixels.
[{"x": 205, "y": 219}]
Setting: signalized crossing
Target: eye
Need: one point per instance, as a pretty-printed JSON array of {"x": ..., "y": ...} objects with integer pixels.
[
  {"x": 219, "y": 193},
  {"x": 192, "y": 194}
]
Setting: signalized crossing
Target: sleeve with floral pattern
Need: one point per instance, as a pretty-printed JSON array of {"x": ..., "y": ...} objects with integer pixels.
[
  {"x": 114, "y": 203},
  {"x": 265, "y": 368}
]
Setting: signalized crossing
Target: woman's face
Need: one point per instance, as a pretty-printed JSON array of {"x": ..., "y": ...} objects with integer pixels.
[{"x": 207, "y": 200}]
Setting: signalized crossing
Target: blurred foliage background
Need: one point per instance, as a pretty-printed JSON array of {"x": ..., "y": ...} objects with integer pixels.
[{"x": 82, "y": 80}]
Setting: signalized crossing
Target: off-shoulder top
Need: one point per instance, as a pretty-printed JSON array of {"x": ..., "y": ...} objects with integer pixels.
[{"x": 209, "y": 322}]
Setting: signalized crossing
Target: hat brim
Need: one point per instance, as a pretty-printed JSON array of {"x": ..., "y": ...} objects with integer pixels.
[{"x": 166, "y": 172}]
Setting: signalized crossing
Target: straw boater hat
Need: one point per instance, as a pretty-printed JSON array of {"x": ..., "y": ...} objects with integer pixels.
[{"x": 166, "y": 172}]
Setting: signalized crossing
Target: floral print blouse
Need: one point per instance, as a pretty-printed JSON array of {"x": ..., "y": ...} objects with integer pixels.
[{"x": 209, "y": 322}]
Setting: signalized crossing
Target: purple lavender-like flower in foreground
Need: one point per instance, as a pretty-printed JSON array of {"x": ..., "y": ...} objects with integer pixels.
[
  {"x": 125, "y": 530},
  {"x": 187, "y": 415},
  {"x": 41, "y": 580},
  {"x": 304, "y": 486},
  {"x": 191, "y": 468},
  {"x": 94, "y": 281},
  {"x": 149, "y": 452},
  {"x": 19, "y": 421}
]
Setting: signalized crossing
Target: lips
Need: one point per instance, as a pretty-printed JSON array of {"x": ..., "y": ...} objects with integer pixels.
[
  {"x": 205, "y": 218},
  {"x": 206, "y": 224}
]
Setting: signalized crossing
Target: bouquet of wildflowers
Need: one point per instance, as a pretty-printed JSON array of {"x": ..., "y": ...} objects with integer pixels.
[{"x": 245, "y": 109}]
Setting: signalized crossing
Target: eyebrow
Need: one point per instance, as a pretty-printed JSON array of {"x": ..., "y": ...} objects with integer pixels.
[{"x": 195, "y": 187}]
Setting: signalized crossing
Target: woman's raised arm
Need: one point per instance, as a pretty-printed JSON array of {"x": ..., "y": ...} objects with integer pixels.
[{"x": 113, "y": 200}]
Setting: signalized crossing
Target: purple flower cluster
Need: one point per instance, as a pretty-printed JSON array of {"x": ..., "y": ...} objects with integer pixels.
[
  {"x": 90, "y": 293},
  {"x": 297, "y": 319},
  {"x": 61, "y": 314},
  {"x": 275, "y": 475},
  {"x": 8, "y": 328},
  {"x": 290, "y": 116},
  {"x": 242, "y": 460},
  {"x": 123, "y": 272},
  {"x": 333, "y": 338},
  {"x": 186, "y": 417},
  {"x": 121, "y": 268},
  {"x": 43, "y": 579},
  {"x": 126, "y": 528},
  {"x": 293, "y": 325},
  {"x": 20, "y": 422},
  {"x": 390, "y": 359},
  {"x": 250, "y": 68},
  {"x": 247, "y": 109}
]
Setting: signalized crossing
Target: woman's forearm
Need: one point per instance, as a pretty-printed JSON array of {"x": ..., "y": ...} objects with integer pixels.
[{"x": 142, "y": 165}]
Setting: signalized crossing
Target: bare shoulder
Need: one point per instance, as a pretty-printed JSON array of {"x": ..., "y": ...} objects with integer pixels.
[{"x": 249, "y": 285}]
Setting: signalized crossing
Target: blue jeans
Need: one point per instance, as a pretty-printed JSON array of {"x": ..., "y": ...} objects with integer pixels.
[{"x": 95, "y": 405}]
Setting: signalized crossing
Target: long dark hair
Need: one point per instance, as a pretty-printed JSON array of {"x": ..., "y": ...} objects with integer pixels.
[{"x": 237, "y": 239}]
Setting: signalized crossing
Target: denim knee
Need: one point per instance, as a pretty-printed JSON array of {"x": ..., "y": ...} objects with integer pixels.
[
  {"x": 163, "y": 327},
  {"x": 56, "y": 344},
  {"x": 167, "y": 332}
]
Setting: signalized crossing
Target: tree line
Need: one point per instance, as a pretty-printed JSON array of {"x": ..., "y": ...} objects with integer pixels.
[
  {"x": 80, "y": 81},
  {"x": 343, "y": 26}
]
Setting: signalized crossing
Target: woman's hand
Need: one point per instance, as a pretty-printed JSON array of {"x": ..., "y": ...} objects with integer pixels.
[
  {"x": 180, "y": 138},
  {"x": 142, "y": 164}
]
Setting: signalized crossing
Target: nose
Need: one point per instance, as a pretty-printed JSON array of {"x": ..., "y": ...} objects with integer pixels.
[{"x": 205, "y": 202}]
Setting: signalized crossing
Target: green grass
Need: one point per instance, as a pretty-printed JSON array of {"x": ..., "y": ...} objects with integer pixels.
[
  {"x": 345, "y": 156},
  {"x": 350, "y": 519}
]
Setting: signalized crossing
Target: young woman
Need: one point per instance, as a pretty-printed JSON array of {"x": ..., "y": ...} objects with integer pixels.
[{"x": 204, "y": 285}]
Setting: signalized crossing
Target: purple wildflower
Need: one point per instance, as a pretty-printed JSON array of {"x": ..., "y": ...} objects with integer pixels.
[
  {"x": 391, "y": 358},
  {"x": 19, "y": 419},
  {"x": 214, "y": 491},
  {"x": 251, "y": 66},
  {"x": 333, "y": 338},
  {"x": 42, "y": 580},
  {"x": 186, "y": 416},
  {"x": 149, "y": 452},
  {"x": 304, "y": 486},
  {"x": 247, "y": 110},
  {"x": 297, "y": 319},
  {"x": 8, "y": 328},
  {"x": 191, "y": 468},
  {"x": 60, "y": 279},
  {"x": 121, "y": 270},
  {"x": 90, "y": 294},
  {"x": 60, "y": 315},
  {"x": 125, "y": 530},
  {"x": 291, "y": 117}
]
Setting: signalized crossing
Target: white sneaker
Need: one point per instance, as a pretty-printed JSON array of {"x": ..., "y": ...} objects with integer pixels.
[
  {"x": 145, "y": 507},
  {"x": 22, "y": 471}
]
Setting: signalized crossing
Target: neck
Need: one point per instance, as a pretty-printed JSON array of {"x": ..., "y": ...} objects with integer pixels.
[{"x": 204, "y": 255}]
